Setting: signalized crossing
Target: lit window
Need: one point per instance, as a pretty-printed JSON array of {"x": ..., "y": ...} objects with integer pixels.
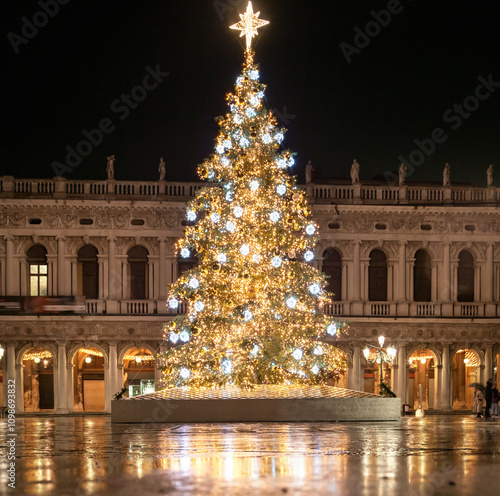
[{"x": 38, "y": 280}]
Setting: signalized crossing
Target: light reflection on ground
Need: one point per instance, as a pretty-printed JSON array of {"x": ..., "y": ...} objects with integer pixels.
[{"x": 90, "y": 456}]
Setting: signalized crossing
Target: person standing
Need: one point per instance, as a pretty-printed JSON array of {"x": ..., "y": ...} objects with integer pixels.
[
  {"x": 478, "y": 402},
  {"x": 487, "y": 397},
  {"x": 495, "y": 396}
]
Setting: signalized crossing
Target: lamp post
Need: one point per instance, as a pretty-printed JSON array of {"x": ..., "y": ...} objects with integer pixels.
[{"x": 383, "y": 356}]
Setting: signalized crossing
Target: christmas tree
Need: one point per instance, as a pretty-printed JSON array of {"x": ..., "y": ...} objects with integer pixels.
[{"x": 254, "y": 300}]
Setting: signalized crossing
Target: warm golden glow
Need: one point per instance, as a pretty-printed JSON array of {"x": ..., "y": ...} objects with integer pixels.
[
  {"x": 254, "y": 300},
  {"x": 249, "y": 24},
  {"x": 470, "y": 358},
  {"x": 37, "y": 355},
  {"x": 421, "y": 356},
  {"x": 140, "y": 358},
  {"x": 91, "y": 352}
]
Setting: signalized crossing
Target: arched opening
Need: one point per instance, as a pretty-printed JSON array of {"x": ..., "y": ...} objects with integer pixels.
[
  {"x": 88, "y": 272},
  {"x": 138, "y": 273},
  {"x": 88, "y": 381},
  {"x": 332, "y": 267},
  {"x": 38, "y": 380},
  {"x": 465, "y": 371},
  {"x": 371, "y": 373},
  {"x": 496, "y": 370},
  {"x": 139, "y": 371},
  {"x": 37, "y": 270},
  {"x": 377, "y": 276},
  {"x": 422, "y": 372},
  {"x": 185, "y": 264},
  {"x": 465, "y": 277},
  {"x": 422, "y": 276}
]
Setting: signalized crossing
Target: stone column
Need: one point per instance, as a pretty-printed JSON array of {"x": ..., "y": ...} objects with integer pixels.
[
  {"x": 62, "y": 379},
  {"x": 488, "y": 276},
  {"x": 150, "y": 268},
  {"x": 477, "y": 283},
  {"x": 356, "y": 271},
  {"x": 390, "y": 280},
  {"x": 445, "y": 386},
  {"x": 344, "y": 286},
  {"x": 437, "y": 385},
  {"x": 113, "y": 371},
  {"x": 355, "y": 377},
  {"x": 488, "y": 363},
  {"x": 401, "y": 286},
  {"x": 61, "y": 269},
  {"x": 114, "y": 282},
  {"x": 163, "y": 269},
  {"x": 70, "y": 387},
  {"x": 10, "y": 272},
  {"x": 51, "y": 280},
  {"x": 171, "y": 270},
  {"x": 120, "y": 382},
  {"x": 19, "y": 387},
  {"x": 10, "y": 371},
  {"x": 434, "y": 282},
  {"x": 445, "y": 281},
  {"x": 74, "y": 276},
  {"x": 401, "y": 371}
]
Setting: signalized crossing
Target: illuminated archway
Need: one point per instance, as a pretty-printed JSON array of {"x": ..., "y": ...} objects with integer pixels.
[
  {"x": 38, "y": 379},
  {"x": 88, "y": 380},
  {"x": 139, "y": 371},
  {"x": 422, "y": 372},
  {"x": 466, "y": 365},
  {"x": 496, "y": 366}
]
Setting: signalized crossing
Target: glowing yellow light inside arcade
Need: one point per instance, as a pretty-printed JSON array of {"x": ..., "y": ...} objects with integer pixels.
[{"x": 37, "y": 356}]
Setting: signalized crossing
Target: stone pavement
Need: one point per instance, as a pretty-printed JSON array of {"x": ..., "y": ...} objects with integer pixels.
[{"x": 76, "y": 456}]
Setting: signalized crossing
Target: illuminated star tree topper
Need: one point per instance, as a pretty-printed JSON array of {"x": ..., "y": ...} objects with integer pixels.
[{"x": 249, "y": 25}]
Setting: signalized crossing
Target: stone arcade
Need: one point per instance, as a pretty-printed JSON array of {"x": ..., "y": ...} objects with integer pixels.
[{"x": 417, "y": 263}]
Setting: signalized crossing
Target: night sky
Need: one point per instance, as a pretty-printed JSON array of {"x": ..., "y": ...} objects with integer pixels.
[{"x": 399, "y": 88}]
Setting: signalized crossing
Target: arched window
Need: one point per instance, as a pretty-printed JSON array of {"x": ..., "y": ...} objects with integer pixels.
[
  {"x": 38, "y": 270},
  {"x": 422, "y": 276},
  {"x": 138, "y": 265},
  {"x": 332, "y": 267},
  {"x": 465, "y": 276},
  {"x": 185, "y": 264},
  {"x": 88, "y": 272},
  {"x": 377, "y": 276}
]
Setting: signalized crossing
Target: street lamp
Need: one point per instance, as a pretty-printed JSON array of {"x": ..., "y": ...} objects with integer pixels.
[
  {"x": 2, "y": 351},
  {"x": 382, "y": 356}
]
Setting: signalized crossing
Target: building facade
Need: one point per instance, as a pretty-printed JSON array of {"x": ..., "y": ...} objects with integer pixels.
[{"x": 85, "y": 266}]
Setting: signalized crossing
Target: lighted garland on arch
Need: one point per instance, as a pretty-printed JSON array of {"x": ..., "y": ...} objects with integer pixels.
[{"x": 255, "y": 301}]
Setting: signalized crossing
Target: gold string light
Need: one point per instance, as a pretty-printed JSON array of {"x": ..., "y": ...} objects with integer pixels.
[
  {"x": 470, "y": 358},
  {"x": 140, "y": 358},
  {"x": 87, "y": 351},
  {"x": 421, "y": 356},
  {"x": 37, "y": 355},
  {"x": 254, "y": 299}
]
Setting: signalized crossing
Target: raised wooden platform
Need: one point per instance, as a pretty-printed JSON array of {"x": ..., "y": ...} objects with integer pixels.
[{"x": 262, "y": 404}]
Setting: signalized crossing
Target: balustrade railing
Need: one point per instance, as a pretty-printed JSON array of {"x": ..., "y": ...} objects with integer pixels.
[{"x": 336, "y": 193}]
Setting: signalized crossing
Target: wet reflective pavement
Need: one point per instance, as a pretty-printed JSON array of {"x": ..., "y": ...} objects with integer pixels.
[{"x": 442, "y": 455}]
